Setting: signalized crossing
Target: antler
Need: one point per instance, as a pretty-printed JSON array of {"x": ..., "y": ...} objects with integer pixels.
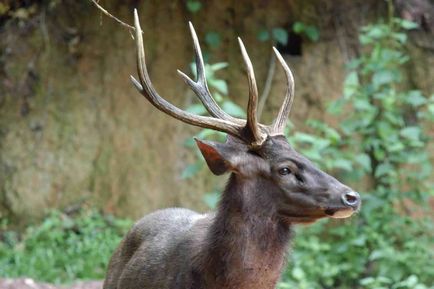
[
  {"x": 282, "y": 118},
  {"x": 252, "y": 123},
  {"x": 249, "y": 131}
]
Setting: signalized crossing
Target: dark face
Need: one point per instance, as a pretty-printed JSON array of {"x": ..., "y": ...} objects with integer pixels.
[
  {"x": 306, "y": 193},
  {"x": 302, "y": 193}
]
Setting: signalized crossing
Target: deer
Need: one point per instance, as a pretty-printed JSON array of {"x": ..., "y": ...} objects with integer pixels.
[{"x": 271, "y": 188}]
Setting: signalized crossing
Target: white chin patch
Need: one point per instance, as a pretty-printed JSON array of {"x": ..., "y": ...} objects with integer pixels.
[{"x": 341, "y": 214}]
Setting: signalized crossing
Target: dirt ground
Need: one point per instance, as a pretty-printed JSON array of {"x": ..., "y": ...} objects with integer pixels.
[{"x": 28, "y": 283}]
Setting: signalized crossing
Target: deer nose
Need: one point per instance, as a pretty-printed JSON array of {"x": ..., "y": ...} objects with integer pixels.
[{"x": 351, "y": 199}]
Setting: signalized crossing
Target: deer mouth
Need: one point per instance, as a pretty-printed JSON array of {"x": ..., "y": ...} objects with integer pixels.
[
  {"x": 297, "y": 218},
  {"x": 339, "y": 213}
]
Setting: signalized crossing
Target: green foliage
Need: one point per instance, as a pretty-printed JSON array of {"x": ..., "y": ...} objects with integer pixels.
[
  {"x": 277, "y": 34},
  {"x": 281, "y": 36},
  {"x": 212, "y": 199},
  {"x": 213, "y": 39},
  {"x": 62, "y": 248},
  {"x": 193, "y": 6},
  {"x": 310, "y": 31},
  {"x": 381, "y": 141}
]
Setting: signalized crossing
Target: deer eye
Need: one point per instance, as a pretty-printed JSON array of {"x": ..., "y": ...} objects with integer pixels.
[{"x": 284, "y": 171}]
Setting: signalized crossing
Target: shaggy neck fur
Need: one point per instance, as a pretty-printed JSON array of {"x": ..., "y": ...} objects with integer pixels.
[{"x": 247, "y": 243}]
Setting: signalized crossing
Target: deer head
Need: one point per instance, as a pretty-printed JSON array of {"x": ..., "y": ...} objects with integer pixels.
[{"x": 300, "y": 192}]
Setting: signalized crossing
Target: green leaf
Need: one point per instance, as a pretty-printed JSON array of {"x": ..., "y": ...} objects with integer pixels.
[
  {"x": 376, "y": 32},
  {"x": 343, "y": 164},
  {"x": 396, "y": 147},
  {"x": 213, "y": 39},
  {"x": 219, "y": 84},
  {"x": 379, "y": 153},
  {"x": 263, "y": 35},
  {"x": 233, "y": 109},
  {"x": 335, "y": 107},
  {"x": 298, "y": 27},
  {"x": 206, "y": 133},
  {"x": 189, "y": 142},
  {"x": 401, "y": 37},
  {"x": 211, "y": 199},
  {"x": 367, "y": 281},
  {"x": 218, "y": 97},
  {"x": 384, "y": 129},
  {"x": 365, "y": 161},
  {"x": 218, "y": 66},
  {"x": 409, "y": 25},
  {"x": 383, "y": 169},
  {"x": 360, "y": 241},
  {"x": 362, "y": 104},
  {"x": 415, "y": 98},
  {"x": 303, "y": 137},
  {"x": 364, "y": 40},
  {"x": 389, "y": 55},
  {"x": 411, "y": 132},
  {"x": 312, "y": 33},
  {"x": 191, "y": 170},
  {"x": 197, "y": 109},
  {"x": 351, "y": 84},
  {"x": 280, "y": 35},
  {"x": 382, "y": 77},
  {"x": 332, "y": 135},
  {"x": 193, "y": 6},
  {"x": 321, "y": 144},
  {"x": 298, "y": 273},
  {"x": 193, "y": 69}
]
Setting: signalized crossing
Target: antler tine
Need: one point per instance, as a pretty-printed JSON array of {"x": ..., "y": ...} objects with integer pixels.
[
  {"x": 252, "y": 122},
  {"x": 280, "y": 122},
  {"x": 200, "y": 87},
  {"x": 146, "y": 88},
  {"x": 200, "y": 65}
]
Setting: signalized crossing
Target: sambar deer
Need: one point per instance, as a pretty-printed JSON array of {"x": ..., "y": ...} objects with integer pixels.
[{"x": 271, "y": 188}]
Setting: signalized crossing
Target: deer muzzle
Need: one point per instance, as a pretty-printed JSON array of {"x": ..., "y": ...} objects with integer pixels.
[{"x": 351, "y": 203}]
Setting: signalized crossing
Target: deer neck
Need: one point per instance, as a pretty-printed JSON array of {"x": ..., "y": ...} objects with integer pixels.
[{"x": 247, "y": 242}]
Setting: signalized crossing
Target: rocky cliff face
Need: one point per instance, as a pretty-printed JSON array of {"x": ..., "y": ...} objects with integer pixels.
[{"x": 73, "y": 130}]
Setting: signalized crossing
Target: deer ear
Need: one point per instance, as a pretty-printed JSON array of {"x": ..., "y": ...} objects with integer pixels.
[{"x": 216, "y": 156}]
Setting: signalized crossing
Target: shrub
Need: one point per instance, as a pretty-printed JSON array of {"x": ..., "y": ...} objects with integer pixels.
[{"x": 62, "y": 249}]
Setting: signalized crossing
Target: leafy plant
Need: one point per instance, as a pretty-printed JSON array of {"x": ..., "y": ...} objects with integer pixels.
[
  {"x": 277, "y": 34},
  {"x": 62, "y": 248},
  {"x": 193, "y": 6},
  {"x": 310, "y": 31},
  {"x": 213, "y": 39}
]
